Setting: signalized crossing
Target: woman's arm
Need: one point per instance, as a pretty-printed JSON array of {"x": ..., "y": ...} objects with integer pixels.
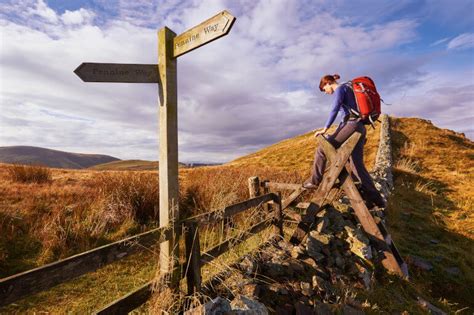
[{"x": 336, "y": 106}]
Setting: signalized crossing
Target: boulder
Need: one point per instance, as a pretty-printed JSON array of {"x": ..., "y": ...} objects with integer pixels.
[
  {"x": 217, "y": 306},
  {"x": 243, "y": 305}
]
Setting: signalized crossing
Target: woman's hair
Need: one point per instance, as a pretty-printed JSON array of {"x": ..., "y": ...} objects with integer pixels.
[{"x": 328, "y": 79}]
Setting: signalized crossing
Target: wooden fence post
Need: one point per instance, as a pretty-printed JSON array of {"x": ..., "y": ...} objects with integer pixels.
[
  {"x": 193, "y": 257},
  {"x": 254, "y": 186},
  {"x": 168, "y": 168},
  {"x": 279, "y": 215},
  {"x": 266, "y": 207}
]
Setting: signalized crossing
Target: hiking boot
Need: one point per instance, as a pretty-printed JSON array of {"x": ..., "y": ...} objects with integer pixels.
[{"x": 308, "y": 185}]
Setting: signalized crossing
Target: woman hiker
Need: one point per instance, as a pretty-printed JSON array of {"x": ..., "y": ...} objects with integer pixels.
[{"x": 344, "y": 100}]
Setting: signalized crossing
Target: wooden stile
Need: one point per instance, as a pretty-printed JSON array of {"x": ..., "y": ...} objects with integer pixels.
[
  {"x": 361, "y": 211},
  {"x": 324, "y": 189}
]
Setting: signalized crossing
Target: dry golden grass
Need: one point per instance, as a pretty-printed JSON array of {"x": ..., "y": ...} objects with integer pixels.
[
  {"x": 73, "y": 212},
  {"x": 81, "y": 209},
  {"x": 433, "y": 202},
  {"x": 297, "y": 154},
  {"x": 29, "y": 173}
]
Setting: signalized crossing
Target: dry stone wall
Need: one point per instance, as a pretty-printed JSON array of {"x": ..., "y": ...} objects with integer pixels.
[{"x": 382, "y": 172}]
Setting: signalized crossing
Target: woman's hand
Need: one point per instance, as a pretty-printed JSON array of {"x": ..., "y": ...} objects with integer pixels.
[{"x": 320, "y": 132}]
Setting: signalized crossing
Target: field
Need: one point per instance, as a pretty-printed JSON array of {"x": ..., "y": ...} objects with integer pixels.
[{"x": 76, "y": 210}]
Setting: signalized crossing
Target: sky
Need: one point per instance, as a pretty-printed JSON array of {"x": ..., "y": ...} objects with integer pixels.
[{"x": 252, "y": 88}]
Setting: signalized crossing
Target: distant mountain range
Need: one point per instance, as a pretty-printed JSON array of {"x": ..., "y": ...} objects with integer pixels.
[
  {"x": 51, "y": 158},
  {"x": 60, "y": 159}
]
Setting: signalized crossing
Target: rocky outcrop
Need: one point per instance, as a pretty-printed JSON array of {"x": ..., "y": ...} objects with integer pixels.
[{"x": 240, "y": 305}]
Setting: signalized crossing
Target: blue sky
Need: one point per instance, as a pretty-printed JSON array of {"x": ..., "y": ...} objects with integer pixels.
[{"x": 245, "y": 91}]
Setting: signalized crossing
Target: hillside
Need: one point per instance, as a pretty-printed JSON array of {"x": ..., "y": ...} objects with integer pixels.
[
  {"x": 51, "y": 158},
  {"x": 129, "y": 165},
  {"x": 431, "y": 210},
  {"x": 297, "y": 153},
  {"x": 430, "y": 216}
]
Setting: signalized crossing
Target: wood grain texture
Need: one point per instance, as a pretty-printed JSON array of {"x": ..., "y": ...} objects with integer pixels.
[
  {"x": 168, "y": 167},
  {"x": 363, "y": 215},
  {"x": 117, "y": 73},
  {"x": 204, "y": 33},
  {"x": 232, "y": 210}
]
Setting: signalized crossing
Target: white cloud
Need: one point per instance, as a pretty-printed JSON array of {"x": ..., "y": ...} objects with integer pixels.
[
  {"x": 41, "y": 9},
  {"x": 80, "y": 16},
  {"x": 440, "y": 41},
  {"x": 244, "y": 91},
  {"x": 463, "y": 41}
]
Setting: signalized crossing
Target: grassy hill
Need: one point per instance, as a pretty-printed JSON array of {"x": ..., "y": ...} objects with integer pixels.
[
  {"x": 51, "y": 158},
  {"x": 430, "y": 215},
  {"x": 431, "y": 210},
  {"x": 297, "y": 153},
  {"x": 129, "y": 165}
]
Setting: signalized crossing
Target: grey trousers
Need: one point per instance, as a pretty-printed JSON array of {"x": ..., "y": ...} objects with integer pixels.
[{"x": 342, "y": 133}]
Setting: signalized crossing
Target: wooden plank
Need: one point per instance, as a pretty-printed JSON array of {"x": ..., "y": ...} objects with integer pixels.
[
  {"x": 302, "y": 205},
  {"x": 337, "y": 161},
  {"x": 251, "y": 203},
  {"x": 129, "y": 302},
  {"x": 204, "y": 33},
  {"x": 282, "y": 186},
  {"x": 333, "y": 194},
  {"x": 293, "y": 215},
  {"x": 218, "y": 250},
  {"x": 364, "y": 216},
  {"x": 388, "y": 239},
  {"x": 117, "y": 72},
  {"x": 306, "y": 224},
  {"x": 369, "y": 225},
  {"x": 17, "y": 286},
  {"x": 139, "y": 296},
  {"x": 294, "y": 195},
  {"x": 168, "y": 168},
  {"x": 232, "y": 210}
]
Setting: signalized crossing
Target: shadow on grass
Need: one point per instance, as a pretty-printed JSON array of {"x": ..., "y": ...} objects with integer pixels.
[{"x": 418, "y": 210}]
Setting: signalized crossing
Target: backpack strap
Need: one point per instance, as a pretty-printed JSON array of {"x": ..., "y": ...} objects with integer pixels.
[{"x": 351, "y": 110}]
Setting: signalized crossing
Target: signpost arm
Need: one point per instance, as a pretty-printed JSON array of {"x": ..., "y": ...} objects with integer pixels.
[{"x": 168, "y": 164}]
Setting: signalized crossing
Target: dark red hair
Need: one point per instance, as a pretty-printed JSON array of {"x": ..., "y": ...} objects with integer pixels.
[{"x": 328, "y": 79}]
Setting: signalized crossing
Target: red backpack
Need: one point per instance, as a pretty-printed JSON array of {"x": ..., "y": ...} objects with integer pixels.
[{"x": 367, "y": 99}]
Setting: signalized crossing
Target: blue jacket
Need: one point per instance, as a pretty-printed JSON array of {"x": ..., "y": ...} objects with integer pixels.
[{"x": 343, "y": 100}]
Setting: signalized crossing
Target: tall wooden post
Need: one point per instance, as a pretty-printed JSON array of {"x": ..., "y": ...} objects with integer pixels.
[
  {"x": 168, "y": 164},
  {"x": 254, "y": 186}
]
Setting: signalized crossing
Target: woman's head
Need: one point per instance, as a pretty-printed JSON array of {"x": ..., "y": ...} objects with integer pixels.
[{"x": 328, "y": 83}]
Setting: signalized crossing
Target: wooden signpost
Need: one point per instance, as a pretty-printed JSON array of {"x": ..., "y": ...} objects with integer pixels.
[
  {"x": 164, "y": 73},
  {"x": 116, "y": 72}
]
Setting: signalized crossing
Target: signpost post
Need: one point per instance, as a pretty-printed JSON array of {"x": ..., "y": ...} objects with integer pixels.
[{"x": 170, "y": 47}]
